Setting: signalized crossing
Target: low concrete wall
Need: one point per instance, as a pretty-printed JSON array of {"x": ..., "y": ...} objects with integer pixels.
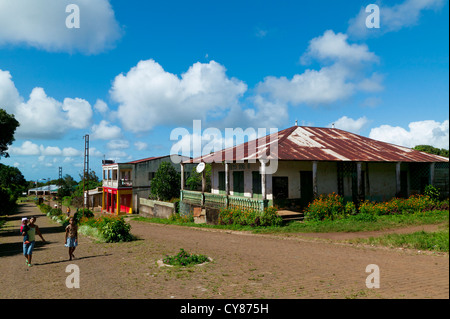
[{"x": 154, "y": 208}]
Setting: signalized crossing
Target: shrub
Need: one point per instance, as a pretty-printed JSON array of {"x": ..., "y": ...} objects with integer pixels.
[
  {"x": 54, "y": 212},
  {"x": 432, "y": 192},
  {"x": 82, "y": 213},
  {"x": 326, "y": 207},
  {"x": 184, "y": 259},
  {"x": 249, "y": 217},
  {"x": 111, "y": 229}
]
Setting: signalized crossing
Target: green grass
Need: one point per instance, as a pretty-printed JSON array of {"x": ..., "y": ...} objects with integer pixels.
[
  {"x": 341, "y": 225},
  {"x": 352, "y": 224},
  {"x": 433, "y": 241}
]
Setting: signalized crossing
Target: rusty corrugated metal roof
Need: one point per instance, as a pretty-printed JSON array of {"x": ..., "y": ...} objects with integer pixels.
[{"x": 303, "y": 143}]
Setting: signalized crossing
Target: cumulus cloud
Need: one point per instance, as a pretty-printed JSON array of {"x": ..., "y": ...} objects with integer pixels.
[
  {"x": 42, "y": 116},
  {"x": 118, "y": 144},
  {"x": 42, "y": 24},
  {"x": 392, "y": 18},
  {"x": 150, "y": 96},
  {"x": 351, "y": 125},
  {"x": 140, "y": 146},
  {"x": 105, "y": 131},
  {"x": 418, "y": 133},
  {"x": 343, "y": 73},
  {"x": 29, "y": 148}
]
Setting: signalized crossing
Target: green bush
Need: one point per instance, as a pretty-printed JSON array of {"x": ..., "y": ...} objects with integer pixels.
[
  {"x": 249, "y": 217},
  {"x": 82, "y": 213},
  {"x": 326, "y": 207},
  {"x": 54, "y": 212},
  {"x": 111, "y": 229},
  {"x": 432, "y": 192},
  {"x": 184, "y": 259}
]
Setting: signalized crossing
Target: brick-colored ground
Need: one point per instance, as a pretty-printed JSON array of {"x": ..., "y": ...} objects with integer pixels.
[{"x": 245, "y": 266}]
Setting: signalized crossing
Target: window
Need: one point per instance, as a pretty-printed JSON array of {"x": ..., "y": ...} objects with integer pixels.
[{"x": 238, "y": 183}]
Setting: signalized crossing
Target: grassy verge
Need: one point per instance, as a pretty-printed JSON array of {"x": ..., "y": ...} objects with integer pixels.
[
  {"x": 433, "y": 241},
  {"x": 339, "y": 225}
]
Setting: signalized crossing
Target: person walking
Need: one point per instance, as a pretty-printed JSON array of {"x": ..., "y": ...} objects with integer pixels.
[
  {"x": 71, "y": 237},
  {"x": 32, "y": 232}
]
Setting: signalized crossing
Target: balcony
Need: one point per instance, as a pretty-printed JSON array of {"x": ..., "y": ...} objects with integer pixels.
[
  {"x": 222, "y": 201},
  {"x": 117, "y": 183}
]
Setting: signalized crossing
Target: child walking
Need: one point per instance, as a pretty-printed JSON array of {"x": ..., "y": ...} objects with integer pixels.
[
  {"x": 24, "y": 232},
  {"x": 71, "y": 237}
]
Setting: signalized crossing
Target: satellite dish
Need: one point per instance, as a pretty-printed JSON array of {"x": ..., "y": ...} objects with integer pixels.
[{"x": 200, "y": 167}]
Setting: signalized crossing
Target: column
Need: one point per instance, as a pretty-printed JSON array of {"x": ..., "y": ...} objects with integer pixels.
[
  {"x": 397, "y": 179},
  {"x": 314, "y": 174},
  {"x": 432, "y": 174},
  {"x": 227, "y": 184},
  {"x": 359, "y": 181},
  {"x": 118, "y": 203},
  {"x": 182, "y": 176},
  {"x": 263, "y": 178}
]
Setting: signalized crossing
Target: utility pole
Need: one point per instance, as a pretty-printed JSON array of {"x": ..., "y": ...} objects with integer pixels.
[
  {"x": 86, "y": 172},
  {"x": 60, "y": 182}
]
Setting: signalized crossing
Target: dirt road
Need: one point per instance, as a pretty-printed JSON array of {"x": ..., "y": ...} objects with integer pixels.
[{"x": 244, "y": 266}]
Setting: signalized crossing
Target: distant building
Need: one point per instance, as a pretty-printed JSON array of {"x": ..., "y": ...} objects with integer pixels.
[{"x": 125, "y": 183}]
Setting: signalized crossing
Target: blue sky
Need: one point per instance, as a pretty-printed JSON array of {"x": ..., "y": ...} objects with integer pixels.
[{"x": 136, "y": 70}]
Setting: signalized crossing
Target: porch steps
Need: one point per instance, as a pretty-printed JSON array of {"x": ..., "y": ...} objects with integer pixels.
[{"x": 288, "y": 215}]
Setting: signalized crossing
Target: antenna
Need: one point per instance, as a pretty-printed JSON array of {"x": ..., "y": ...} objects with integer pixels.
[{"x": 200, "y": 167}]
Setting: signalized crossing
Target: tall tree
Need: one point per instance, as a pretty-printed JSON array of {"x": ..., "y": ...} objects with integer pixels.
[{"x": 8, "y": 125}]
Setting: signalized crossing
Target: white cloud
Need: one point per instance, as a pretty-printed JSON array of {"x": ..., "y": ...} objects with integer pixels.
[
  {"x": 105, "y": 131},
  {"x": 79, "y": 112},
  {"x": 118, "y": 144},
  {"x": 42, "y": 116},
  {"x": 27, "y": 148},
  {"x": 140, "y": 146},
  {"x": 341, "y": 76},
  {"x": 9, "y": 96},
  {"x": 71, "y": 152},
  {"x": 334, "y": 47},
  {"x": 392, "y": 18},
  {"x": 150, "y": 96},
  {"x": 101, "y": 106},
  {"x": 42, "y": 24},
  {"x": 420, "y": 133},
  {"x": 348, "y": 124}
]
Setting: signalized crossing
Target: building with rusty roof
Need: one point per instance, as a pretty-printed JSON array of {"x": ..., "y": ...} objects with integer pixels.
[{"x": 291, "y": 167}]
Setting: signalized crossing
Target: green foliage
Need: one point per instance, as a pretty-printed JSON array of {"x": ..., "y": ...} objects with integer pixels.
[
  {"x": 194, "y": 182},
  {"x": 327, "y": 207},
  {"x": 249, "y": 217},
  {"x": 54, "y": 212},
  {"x": 432, "y": 192},
  {"x": 331, "y": 207},
  {"x": 8, "y": 125},
  {"x": 432, "y": 150},
  {"x": 166, "y": 183},
  {"x": 111, "y": 229},
  {"x": 7, "y": 201},
  {"x": 82, "y": 213},
  {"x": 184, "y": 259}
]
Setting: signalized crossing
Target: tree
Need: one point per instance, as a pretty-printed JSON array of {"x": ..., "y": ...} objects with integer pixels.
[
  {"x": 194, "y": 182},
  {"x": 12, "y": 184},
  {"x": 8, "y": 125},
  {"x": 166, "y": 183},
  {"x": 432, "y": 150},
  {"x": 68, "y": 185}
]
